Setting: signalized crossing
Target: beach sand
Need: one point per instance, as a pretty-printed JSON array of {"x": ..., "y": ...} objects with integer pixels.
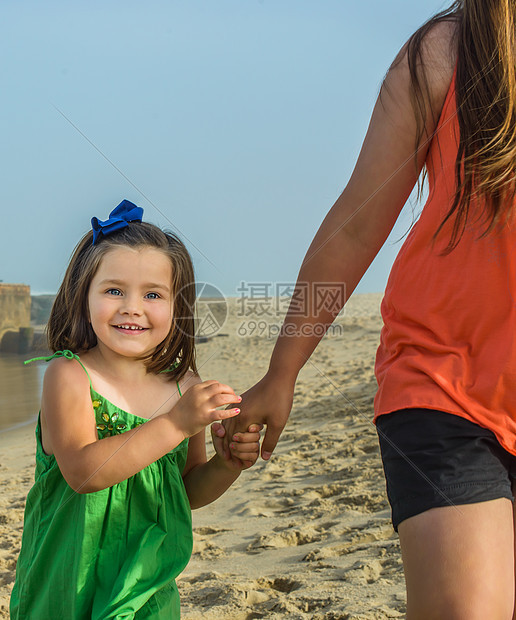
[{"x": 306, "y": 535}]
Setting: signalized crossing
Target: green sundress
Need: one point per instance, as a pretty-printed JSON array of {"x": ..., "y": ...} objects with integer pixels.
[{"x": 113, "y": 553}]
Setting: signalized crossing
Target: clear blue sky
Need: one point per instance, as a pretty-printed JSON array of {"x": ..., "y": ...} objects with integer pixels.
[{"x": 240, "y": 120}]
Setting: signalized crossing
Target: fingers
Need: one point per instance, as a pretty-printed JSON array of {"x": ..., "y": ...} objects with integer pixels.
[
  {"x": 222, "y": 387},
  {"x": 215, "y": 395},
  {"x": 224, "y": 414},
  {"x": 255, "y": 428},
  {"x": 221, "y": 395},
  {"x": 272, "y": 434},
  {"x": 245, "y": 452},
  {"x": 216, "y": 440},
  {"x": 217, "y": 392},
  {"x": 232, "y": 425},
  {"x": 218, "y": 430},
  {"x": 217, "y": 437},
  {"x": 215, "y": 387},
  {"x": 246, "y": 437},
  {"x": 224, "y": 400},
  {"x": 238, "y": 448},
  {"x": 246, "y": 445}
]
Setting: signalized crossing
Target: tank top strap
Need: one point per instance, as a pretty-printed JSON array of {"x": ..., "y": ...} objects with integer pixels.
[
  {"x": 173, "y": 367},
  {"x": 65, "y": 353}
]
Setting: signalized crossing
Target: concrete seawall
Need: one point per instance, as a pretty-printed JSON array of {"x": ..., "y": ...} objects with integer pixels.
[{"x": 15, "y": 330}]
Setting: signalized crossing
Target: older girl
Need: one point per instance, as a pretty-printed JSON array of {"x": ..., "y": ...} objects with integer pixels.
[{"x": 446, "y": 366}]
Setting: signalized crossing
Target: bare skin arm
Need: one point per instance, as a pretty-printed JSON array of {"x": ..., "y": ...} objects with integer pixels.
[{"x": 354, "y": 230}]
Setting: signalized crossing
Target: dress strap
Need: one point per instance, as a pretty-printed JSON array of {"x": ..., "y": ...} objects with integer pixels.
[
  {"x": 173, "y": 367},
  {"x": 65, "y": 353}
]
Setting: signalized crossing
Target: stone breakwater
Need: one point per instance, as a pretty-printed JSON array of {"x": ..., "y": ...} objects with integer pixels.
[{"x": 16, "y": 335}]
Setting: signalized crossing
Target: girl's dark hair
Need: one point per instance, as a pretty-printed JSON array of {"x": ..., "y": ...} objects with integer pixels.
[
  {"x": 69, "y": 327},
  {"x": 486, "y": 109}
]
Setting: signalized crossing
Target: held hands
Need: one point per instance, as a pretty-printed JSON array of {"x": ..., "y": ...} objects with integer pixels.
[
  {"x": 245, "y": 446},
  {"x": 268, "y": 402},
  {"x": 197, "y": 408}
]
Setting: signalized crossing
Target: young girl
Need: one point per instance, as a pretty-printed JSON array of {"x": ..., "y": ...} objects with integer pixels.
[
  {"x": 121, "y": 453},
  {"x": 446, "y": 366}
]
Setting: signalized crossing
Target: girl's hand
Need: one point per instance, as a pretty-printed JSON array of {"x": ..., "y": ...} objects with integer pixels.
[
  {"x": 268, "y": 402},
  {"x": 245, "y": 446},
  {"x": 198, "y": 407}
]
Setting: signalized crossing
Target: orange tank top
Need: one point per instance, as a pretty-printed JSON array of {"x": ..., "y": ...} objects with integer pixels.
[{"x": 448, "y": 340}]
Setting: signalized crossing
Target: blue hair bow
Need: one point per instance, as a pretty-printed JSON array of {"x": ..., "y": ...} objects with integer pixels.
[{"x": 118, "y": 218}]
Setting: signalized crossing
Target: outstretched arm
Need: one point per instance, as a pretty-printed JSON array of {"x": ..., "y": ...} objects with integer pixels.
[{"x": 352, "y": 232}]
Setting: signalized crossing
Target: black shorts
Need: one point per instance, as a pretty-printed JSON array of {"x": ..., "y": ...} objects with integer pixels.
[{"x": 433, "y": 459}]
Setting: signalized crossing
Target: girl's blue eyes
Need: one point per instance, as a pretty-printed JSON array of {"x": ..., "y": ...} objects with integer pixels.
[{"x": 116, "y": 292}]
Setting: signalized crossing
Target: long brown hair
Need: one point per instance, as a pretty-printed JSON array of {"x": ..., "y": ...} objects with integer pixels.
[
  {"x": 68, "y": 326},
  {"x": 486, "y": 109}
]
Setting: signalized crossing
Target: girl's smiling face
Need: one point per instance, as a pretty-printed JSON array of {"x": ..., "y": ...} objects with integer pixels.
[{"x": 130, "y": 300}]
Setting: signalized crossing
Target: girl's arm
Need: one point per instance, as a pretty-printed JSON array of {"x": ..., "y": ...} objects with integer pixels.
[
  {"x": 89, "y": 464},
  {"x": 354, "y": 230},
  {"x": 205, "y": 481}
]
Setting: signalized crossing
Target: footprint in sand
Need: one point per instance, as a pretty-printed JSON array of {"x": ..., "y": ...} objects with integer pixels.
[
  {"x": 364, "y": 502},
  {"x": 282, "y": 539},
  {"x": 368, "y": 572},
  {"x": 208, "y": 531},
  {"x": 280, "y": 584},
  {"x": 205, "y": 548},
  {"x": 6, "y": 578}
]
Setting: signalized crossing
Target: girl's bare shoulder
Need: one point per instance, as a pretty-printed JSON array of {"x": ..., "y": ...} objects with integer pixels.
[
  {"x": 66, "y": 374},
  {"x": 438, "y": 57},
  {"x": 422, "y": 71}
]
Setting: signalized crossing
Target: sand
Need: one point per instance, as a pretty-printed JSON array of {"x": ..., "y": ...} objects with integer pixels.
[{"x": 306, "y": 535}]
